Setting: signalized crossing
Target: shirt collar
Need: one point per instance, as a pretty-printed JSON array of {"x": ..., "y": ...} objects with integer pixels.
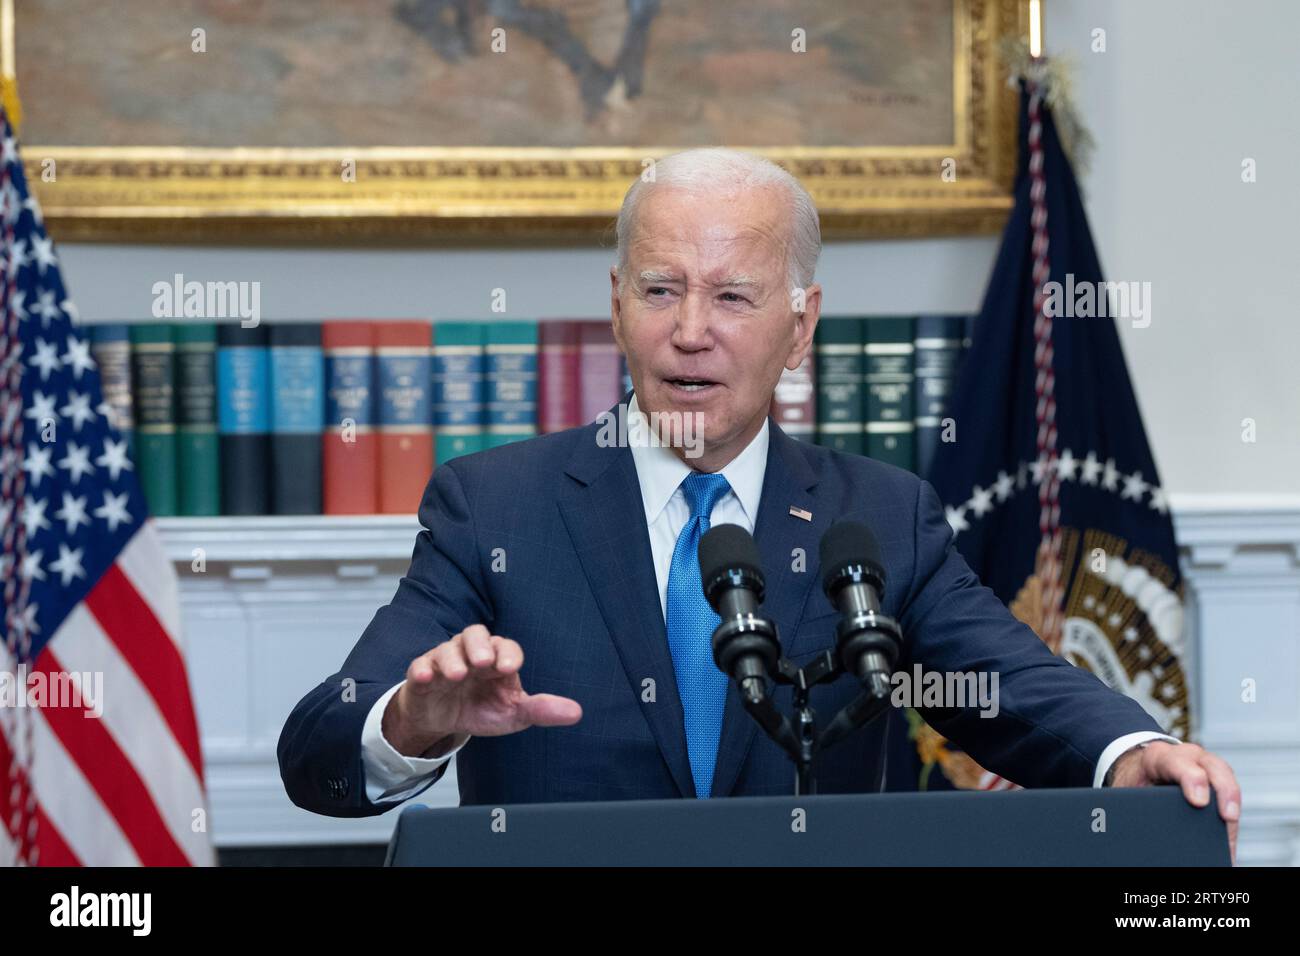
[{"x": 660, "y": 472}]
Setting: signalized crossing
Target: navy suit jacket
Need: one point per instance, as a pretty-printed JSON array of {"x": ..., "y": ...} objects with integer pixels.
[{"x": 579, "y": 594}]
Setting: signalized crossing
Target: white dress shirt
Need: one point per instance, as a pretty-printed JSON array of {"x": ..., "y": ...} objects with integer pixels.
[{"x": 392, "y": 777}]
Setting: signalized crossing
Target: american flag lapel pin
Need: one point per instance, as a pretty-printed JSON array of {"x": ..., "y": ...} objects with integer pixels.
[{"x": 800, "y": 513}]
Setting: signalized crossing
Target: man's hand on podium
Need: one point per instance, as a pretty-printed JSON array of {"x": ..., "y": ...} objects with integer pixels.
[
  {"x": 468, "y": 686},
  {"x": 1193, "y": 768}
]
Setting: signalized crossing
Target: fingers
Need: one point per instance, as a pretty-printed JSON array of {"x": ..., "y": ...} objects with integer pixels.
[
  {"x": 474, "y": 650},
  {"x": 1195, "y": 770},
  {"x": 550, "y": 710},
  {"x": 1185, "y": 769},
  {"x": 477, "y": 643}
]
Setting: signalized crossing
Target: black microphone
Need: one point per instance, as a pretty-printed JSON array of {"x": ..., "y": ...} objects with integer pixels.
[
  {"x": 745, "y": 643},
  {"x": 853, "y": 576}
]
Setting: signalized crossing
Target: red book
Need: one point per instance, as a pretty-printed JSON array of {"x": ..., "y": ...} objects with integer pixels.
[
  {"x": 350, "y": 452},
  {"x": 403, "y": 384},
  {"x": 600, "y": 369},
  {"x": 559, "y": 394}
]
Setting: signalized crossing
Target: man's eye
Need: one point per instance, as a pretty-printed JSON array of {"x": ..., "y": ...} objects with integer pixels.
[
  {"x": 734, "y": 297},
  {"x": 655, "y": 288}
]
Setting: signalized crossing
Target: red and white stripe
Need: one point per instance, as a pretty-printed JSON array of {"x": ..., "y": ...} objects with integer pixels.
[{"x": 125, "y": 788}]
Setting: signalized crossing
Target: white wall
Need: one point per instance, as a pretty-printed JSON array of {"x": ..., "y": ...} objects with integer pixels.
[{"x": 1185, "y": 90}]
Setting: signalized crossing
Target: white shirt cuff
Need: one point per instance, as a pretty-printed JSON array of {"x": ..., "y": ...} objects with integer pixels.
[
  {"x": 1121, "y": 746},
  {"x": 392, "y": 777}
]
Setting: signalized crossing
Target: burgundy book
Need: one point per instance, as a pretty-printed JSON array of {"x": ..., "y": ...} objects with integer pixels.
[
  {"x": 794, "y": 404},
  {"x": 559, "y": 403},
  {"x": 600, "y": 367}
]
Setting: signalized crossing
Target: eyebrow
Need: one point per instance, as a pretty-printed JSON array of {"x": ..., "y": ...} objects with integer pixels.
[{"x": 742, "y": 280}]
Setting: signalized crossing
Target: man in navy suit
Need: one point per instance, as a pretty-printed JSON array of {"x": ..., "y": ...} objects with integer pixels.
[{"x": 551, "y": 629}]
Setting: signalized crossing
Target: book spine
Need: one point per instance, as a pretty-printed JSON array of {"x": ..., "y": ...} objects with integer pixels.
[
  {"x": 839, "y": 364},
  {"x": 350, "y": 444},
  {"x": 153, "y": 354},
  {"x": 110, "y": 346},
  {"x": 458, "y": 389},
  {"x": 244, "y": 419},
  {"x": 938, "y": 349},
  {"x": 558, "y": 390},
  {"x": 297, "y": 418},
  {"x": 794, "y": 403},
  {"x": 890, "y": 371},
  {"x": 198, "y": 452},
  {"x": 511, "y": 370},
  {"x": 404, "y": 372},
  {"x": 600, "y": 371}
]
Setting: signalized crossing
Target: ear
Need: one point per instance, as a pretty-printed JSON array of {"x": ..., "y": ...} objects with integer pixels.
[
  {"x": 616, "y": 308},
  {"x": 805, "y": 325}
]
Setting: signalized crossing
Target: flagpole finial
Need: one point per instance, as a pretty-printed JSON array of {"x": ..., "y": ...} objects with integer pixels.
[
  {"x": 13, "y": 108},
  {"x": 1052, "y": 77}
]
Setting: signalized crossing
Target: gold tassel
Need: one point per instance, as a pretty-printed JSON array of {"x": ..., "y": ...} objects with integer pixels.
[{"x": 9, "y": 97}]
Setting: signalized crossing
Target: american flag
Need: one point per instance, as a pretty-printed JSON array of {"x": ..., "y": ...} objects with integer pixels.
[{"x": 99, "y": 747}]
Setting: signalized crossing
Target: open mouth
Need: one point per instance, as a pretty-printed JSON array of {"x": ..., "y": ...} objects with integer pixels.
[{"x": 691, "y": 384}]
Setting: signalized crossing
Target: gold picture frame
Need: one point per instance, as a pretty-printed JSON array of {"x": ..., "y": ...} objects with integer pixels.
[{"x": 471, "y": 195}]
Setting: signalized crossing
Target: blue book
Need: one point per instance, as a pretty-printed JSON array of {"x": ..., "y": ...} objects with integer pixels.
[
  {"x": 297, "y": 418},
  {"x": 244, "y": 419},
  {"x": 110, "y": 346}
]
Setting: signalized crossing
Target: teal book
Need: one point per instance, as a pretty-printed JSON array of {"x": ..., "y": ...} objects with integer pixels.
[
  {"x": 889, "y": 347},
  {"x": 837, "y": 346},
  {"x": 459, "y": 409},
  {"x": 511, "y": 371},
  {"x": 197, "y": 454},
  {"x": 153, "y": 371}
]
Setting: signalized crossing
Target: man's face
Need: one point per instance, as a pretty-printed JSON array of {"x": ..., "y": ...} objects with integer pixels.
[{"x": 705, "y": 317}]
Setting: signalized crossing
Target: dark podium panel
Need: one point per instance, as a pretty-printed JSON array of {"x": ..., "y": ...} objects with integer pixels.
[{"x": 1152, "y": 826}]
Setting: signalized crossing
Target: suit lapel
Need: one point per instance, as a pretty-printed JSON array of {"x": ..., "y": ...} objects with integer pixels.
[
  {"x": 788, "y": 480},
  {"x": 605, "y": 518}
]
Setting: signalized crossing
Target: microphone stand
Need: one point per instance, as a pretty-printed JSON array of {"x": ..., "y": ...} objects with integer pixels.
[{"x": 802, "y": 740}]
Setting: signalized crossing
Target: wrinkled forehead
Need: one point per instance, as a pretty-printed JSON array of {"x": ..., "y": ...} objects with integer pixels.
[{"x": 746, "y": 229}]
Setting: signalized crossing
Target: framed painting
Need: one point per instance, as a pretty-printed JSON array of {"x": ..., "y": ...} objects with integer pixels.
[{"x": 487, "y": 120}]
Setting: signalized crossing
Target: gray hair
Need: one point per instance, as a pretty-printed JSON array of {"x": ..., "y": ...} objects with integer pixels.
[{"x": 720, "y": 170}]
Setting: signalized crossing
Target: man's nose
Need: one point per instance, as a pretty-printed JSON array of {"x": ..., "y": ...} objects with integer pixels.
[{"x": 691, "y": 331}]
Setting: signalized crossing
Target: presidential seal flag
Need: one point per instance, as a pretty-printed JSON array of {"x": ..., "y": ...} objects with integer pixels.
[
  {"x": 99, "y": 747},
  {"x": 1043, "y": 465}
]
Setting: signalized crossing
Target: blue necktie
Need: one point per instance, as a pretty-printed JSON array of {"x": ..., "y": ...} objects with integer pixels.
[{"x": 701, "y": 686}]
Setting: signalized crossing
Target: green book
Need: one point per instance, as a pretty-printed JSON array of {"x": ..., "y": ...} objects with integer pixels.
[
  {"x": 153, "y": 372},
  {"x": 458, "y": 389},
  {"x": 890, "y": 349},
  {"x": 510, "y": 377},
  {"x": 196, "y": 419},
  {"x": 837, "y": 345}
]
